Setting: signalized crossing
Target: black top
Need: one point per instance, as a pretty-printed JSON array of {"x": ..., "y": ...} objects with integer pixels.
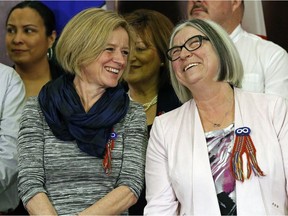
[{"x": 55, "y": 69}]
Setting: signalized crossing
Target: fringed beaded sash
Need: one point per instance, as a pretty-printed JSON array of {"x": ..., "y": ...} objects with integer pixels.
[
  {"x": 244, "y": 144},
  {"x": 107, "y": 161}
]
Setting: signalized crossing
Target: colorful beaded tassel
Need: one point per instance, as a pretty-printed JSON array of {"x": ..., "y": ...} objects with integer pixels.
[
  {"x": 107, "y": 161},
  {"x": 244, "y": 144}
]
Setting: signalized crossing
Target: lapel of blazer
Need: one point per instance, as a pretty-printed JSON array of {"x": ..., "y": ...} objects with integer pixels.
[
  {"x": 248, "y": 193},
  {"x": 204, "y": 194}
]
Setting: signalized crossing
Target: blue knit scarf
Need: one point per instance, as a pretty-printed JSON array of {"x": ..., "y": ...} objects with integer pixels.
[{"x": 68, "y": 120}]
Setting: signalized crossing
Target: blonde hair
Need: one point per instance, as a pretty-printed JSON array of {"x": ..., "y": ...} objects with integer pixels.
[
  {"x": 230, "y": 68},
  {"x": 85, "y": 36}
]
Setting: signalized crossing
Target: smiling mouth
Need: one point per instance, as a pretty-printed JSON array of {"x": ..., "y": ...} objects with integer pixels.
[
  {"x": 18, "y": 51},
  {"x": 190, "y": 66},
  {"x": 113, "y": 70}
]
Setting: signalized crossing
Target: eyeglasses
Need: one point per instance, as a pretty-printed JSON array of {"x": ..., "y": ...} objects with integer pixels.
[{"x": 191, "y": 44}]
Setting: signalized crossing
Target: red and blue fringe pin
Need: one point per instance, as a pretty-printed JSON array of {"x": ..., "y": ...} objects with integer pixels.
[
  {"x": 244, "y": 144},
  {"x": 107, "y": 161}
]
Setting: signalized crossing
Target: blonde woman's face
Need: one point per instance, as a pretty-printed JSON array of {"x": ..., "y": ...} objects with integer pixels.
[
  {"x": 26, "y": 39},
  {"x": 198, "y": 67},
  {"x": 106, "y": 70}
]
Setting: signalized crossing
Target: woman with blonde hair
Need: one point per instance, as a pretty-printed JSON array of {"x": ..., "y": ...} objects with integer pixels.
[{"x": 82, "y": 142}]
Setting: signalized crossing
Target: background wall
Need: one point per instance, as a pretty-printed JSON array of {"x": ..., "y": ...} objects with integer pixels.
[
  {"x": 275, "y": 14},
  {"x": 4, "y": 8},
  {"x": 276, "y": 21},
  {"x": 171, "y": 9}
]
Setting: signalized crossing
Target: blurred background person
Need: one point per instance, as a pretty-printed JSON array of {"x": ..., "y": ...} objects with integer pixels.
[
  {"x": 82, "y": 142},
  {"x": 148, "y": 78},
  {"x": 12, "y": 95},
  {"x": 30, "y": 34},
  {"x": 265, "y": 63},
  {"x": 224, "y": 151}
]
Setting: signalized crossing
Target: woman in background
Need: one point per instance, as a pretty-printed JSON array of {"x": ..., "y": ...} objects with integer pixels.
[
  {"x": 82, "y": 143},
  {"x": 148, "y": 78},
  {"x": 30, "y": 34}
]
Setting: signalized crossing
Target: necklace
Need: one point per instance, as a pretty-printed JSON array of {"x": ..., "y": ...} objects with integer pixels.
[
  {"x": 150, "y": 104},
  {"x": 217, "y": 125},
  {"x": 147, "y": 105}
]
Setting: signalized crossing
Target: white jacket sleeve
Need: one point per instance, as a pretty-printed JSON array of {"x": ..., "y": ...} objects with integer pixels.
[{"x": 160, "y": 196}]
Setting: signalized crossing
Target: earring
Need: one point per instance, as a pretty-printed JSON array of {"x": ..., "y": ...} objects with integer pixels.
[
  {"x": 50, "y": 53},
  {"x": 161, "y": 64}
]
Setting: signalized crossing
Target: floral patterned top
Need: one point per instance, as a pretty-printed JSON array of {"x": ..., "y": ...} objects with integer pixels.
[{"x": 220, "y": 145}]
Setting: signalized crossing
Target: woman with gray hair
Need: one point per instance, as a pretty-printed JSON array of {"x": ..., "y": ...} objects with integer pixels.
[
  {"x": 82, "y": 142},
  {"x": 224, "y": 151}
]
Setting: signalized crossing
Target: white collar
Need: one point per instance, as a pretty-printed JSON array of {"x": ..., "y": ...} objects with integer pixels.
[{"x": 235, "y": 35}]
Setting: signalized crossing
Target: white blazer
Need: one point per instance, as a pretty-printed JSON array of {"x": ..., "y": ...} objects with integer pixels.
[{"x": 178, "y": 173}]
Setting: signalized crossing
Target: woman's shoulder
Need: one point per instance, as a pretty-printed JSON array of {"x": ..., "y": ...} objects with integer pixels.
[
  {"x": 177, "y": 113},
  {"x": 8, "y": 73},
  {"x": 32, "y": 100},
  {"x": 135, "y": 107},
  {"x": 32, "y": 103},
  {"x": 134, "y": 118},
  {"x": 135, "y": 111},
  {"x": 32, "y": 113},
  {"x": 258, "y": 97},
  {"x": 261, "y": 102}
]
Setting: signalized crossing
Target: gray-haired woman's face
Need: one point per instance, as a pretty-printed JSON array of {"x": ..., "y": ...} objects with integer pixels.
[{"x": 199, "y": 66}]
